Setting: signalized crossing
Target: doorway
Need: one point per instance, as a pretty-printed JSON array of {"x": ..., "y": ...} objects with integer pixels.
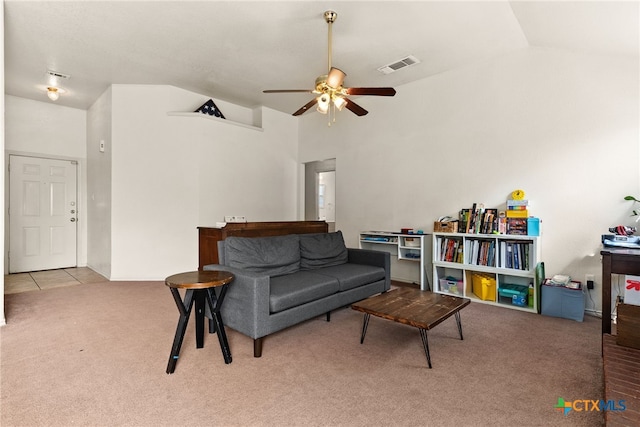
[
  {"x": 42, "y": 213},
  {"x": 320, "y": 192}
]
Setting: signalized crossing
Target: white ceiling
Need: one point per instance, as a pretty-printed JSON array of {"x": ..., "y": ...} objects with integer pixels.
[{"x": 232, "y": 50}]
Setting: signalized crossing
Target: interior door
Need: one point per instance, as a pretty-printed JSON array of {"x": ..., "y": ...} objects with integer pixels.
[
  {"x": 320, "y": 192},
  {"x": 42, "y": 213}
]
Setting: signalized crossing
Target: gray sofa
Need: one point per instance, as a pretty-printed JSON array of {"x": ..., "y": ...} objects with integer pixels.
[{"x": 283, "y": 280}]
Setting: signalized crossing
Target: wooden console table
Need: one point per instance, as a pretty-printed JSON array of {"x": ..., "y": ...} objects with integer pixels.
[
  {"x": 208, "y": 237},
  {"x": 615, "y": 261}
]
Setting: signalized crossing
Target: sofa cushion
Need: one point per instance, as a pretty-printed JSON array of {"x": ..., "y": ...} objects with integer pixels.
[
  {"x": 322, "y": 250},
  {"x": 273, "y": 256},
  {"x": 351, "y": 276},
  {"x": 298, "y": 288}
]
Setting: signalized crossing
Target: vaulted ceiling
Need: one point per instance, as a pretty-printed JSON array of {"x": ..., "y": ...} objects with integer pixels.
[{"x": 233, "y": 50}]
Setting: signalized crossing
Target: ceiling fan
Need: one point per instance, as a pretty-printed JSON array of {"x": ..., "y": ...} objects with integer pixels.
[{"x": 329, "y": 87}]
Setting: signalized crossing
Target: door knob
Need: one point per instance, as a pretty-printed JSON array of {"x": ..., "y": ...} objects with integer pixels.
[{"x": 73, "y": 220}]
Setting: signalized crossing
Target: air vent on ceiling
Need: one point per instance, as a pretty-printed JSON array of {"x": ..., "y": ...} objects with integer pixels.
[
  {"x": 57, "y": 75},
  {"x": 397, "y": 65}
]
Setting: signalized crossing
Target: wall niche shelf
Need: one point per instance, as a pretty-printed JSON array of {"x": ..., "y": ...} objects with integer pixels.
[{"x": 214, "y": 118}]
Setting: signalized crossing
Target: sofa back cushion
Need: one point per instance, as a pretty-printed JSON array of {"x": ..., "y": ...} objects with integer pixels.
[
  {"x": 322, "y": 250},
  {"x": 273, "y": 256}
]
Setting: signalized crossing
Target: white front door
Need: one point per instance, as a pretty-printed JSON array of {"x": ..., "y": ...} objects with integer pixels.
[{"x": 42, "y": 213}]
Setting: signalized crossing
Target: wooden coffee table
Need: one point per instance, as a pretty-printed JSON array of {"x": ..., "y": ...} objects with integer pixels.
[{"x": 410, "y": 306}]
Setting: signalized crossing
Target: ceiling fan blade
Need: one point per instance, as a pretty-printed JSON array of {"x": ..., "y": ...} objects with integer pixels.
[
  {"x": 287, "y": 91},
  {"x": 378, "y": 91},
  {"x": 355, "y": 108},
  {"x": 306, "y": 107},
  {"x": 335, "y": 77}
]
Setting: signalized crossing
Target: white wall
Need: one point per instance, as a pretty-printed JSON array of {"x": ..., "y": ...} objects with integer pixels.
[
  {"x": 170, "y": 175},
  {"x": 563, "y": 126},
  {"x": 99, "y": 164},
  {"x": 44, "y": 129}
]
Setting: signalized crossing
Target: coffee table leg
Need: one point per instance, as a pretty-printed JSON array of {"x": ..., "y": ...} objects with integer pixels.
[
  {"x": 459, "y": 324},
  {"x": 365, "y": 324},
  {"x": 185, "y": 312},
  {"x": 425, "y": 344}
]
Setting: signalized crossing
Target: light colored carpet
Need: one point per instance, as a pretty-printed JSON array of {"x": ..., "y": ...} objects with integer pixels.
[{"x": 95, "y": 355}]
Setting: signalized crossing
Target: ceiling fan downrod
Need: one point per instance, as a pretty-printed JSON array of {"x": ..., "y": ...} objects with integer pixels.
[{"x": 330, "y": 16}]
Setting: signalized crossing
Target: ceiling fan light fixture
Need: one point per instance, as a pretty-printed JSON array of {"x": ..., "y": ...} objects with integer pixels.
[
  {"x": 53, "y": 93},
  {"x": 335, "y": 78},
  {"x": 323, "y": 103},
  {"x": 339, "y": 102}
]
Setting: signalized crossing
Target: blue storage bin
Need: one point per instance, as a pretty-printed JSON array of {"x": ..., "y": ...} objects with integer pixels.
[{"x": 558, "y": 301}]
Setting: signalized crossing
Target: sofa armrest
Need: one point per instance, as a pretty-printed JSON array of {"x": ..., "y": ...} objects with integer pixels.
[
  {"x": 246, "y": 305},
  {"x": 374, "y": 258}
]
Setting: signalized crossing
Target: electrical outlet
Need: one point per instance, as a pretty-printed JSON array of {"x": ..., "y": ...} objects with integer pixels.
[
  {"x": 235, "y": 218},
  {"x": 589, "y": 280}
]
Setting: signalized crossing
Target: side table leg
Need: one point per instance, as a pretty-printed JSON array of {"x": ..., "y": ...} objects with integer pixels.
[
  {"x": 365, "y": 324},
  {"x": 214, "y": 306},
  {"x": 199, "y": 297},
  {"x": 425, "y": 344},
  {"x": 459, "y": 324},
  {"x": 185, "y": 312}
]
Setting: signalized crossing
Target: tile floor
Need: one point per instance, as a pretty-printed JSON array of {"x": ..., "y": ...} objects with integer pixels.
[{"x": 39, "y": 280}]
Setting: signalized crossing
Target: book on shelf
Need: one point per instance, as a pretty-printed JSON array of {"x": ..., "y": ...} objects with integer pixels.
[
  {"x": 472, "y": 219},
  {"x": 463, "y": 220},
  {"x": 517, "y": 226}
]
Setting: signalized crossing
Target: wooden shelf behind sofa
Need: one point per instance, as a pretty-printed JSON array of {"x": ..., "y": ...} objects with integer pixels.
[{"x": 208, "y": 237}]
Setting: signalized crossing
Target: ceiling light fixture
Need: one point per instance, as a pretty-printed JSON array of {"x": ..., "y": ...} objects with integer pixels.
[{"x": 53, "y": 93}]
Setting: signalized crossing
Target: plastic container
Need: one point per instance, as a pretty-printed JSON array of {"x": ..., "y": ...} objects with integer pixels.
[
  {"x": 451, "y": 285},
  {"x": 514, "y": 294},
  {"x": 484, "y": 286}
]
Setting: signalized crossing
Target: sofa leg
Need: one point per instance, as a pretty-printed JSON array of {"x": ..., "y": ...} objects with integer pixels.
[
  {"x": 257, "y": 347},
  {"x": 328, "y": 316}
]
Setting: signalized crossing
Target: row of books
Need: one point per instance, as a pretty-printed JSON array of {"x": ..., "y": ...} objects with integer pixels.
[
  {"x": 510, "y": 254},
  {"x": 481, "y": 252},
  {"x": 515, "y": 254},
  {"x": 479, "y": 220},
  {"x": 450, "y": 249}
]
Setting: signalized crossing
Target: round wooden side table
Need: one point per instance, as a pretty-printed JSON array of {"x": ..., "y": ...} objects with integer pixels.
[{"x": 199, "y": 286}]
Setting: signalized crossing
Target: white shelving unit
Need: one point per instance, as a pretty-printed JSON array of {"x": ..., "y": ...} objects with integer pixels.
[
  {"x": 406, "y": 247},
  {"x": 505, "y": 259},
  {"x": 214, "y": 118}
]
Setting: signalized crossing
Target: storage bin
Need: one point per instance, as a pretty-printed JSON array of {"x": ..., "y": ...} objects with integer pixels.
[
  {"x": 451, "y": 285},
  {"x": 514, "y": 294},
  {"x": 445, "y": 227},
  {"x": 559, "y": 301},
  {"x": 484, "y": 286},
  {"x": 414, "y": 242}
]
